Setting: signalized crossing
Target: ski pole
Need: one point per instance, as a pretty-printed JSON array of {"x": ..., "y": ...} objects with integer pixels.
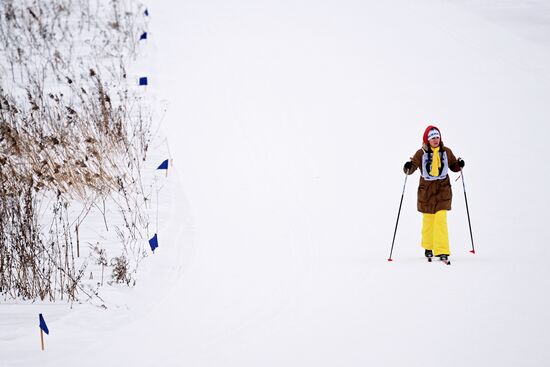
[
  {"x": 398, "y": 213},
  {"x": 473, "y": 250}
]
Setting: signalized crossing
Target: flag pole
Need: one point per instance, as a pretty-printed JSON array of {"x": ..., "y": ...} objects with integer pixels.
[{"x": 42, "y": 338}]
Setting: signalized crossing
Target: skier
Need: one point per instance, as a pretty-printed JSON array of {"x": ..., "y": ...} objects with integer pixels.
[{"x": 434, "y": 191}]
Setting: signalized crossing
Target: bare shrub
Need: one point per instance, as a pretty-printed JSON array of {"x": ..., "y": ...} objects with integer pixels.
[
  {"x": 100, "y": 256},
  {"x": 71, "y": 131},
  {"x": 121, "y": 270}
]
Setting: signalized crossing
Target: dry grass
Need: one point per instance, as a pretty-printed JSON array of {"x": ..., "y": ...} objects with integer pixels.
[{"x": 71, "y": 130}]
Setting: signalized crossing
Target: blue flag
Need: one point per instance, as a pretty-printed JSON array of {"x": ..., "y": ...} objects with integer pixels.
[
  {"x": 143, "y": 80},
  {"x": 143, "y": 36},
  {"x": 163, "y": 165},
  {"x": 43, "y": 325},
  {"x": 154, "y": 243},
  {"x": 146, "y": 12}
]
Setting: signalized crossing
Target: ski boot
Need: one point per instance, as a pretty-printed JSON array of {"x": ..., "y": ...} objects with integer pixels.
[
  {"x": 445, "y": 258},
  {"x": 429, "y": 254}
]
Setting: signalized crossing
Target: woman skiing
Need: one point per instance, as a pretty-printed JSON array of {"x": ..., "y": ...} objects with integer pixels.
[{"x": 434, "y": 191}]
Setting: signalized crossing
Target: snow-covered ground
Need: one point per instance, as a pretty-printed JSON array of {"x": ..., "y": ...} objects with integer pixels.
[
  {"x": 288, "y": 123},
  {"x": 528, "y": 19}
]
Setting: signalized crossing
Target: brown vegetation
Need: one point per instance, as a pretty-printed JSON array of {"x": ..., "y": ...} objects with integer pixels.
[{"x": 72, "y": 130}]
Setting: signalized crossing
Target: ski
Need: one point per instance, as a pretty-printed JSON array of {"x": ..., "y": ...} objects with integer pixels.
[{"x": 447, "y": 262}]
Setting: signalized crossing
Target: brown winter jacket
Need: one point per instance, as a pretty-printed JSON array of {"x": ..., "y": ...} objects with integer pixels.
[{"x": 435, "y": 195}]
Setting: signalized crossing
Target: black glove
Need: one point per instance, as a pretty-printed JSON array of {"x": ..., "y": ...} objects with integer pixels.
[
  {"x": 461, "y": 163},
  {"x": 407, "y": 166}
]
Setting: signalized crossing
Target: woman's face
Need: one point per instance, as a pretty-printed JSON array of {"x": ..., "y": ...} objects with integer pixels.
[{"x": 434, "y": 142}]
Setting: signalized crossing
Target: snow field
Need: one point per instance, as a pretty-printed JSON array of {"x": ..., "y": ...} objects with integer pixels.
[{"x": 289, "y": 123}]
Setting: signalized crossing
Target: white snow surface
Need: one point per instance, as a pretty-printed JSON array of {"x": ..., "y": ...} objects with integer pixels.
[{"x": 288, "y": 123}]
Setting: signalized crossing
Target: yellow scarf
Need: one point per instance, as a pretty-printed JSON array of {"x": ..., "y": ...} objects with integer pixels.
[{"x": 436, "y": 163}]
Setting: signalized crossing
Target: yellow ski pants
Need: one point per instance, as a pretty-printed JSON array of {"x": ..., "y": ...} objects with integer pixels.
[{"x": 435, "y": 235}]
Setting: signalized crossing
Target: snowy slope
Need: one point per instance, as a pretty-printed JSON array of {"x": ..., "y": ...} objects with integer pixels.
[
  {"x": 528, "y": 19},
  {"x": 289, "y": 123}
]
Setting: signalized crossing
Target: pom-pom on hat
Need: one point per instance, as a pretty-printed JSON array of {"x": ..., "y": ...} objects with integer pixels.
[{"x": 430, "y": 133}]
